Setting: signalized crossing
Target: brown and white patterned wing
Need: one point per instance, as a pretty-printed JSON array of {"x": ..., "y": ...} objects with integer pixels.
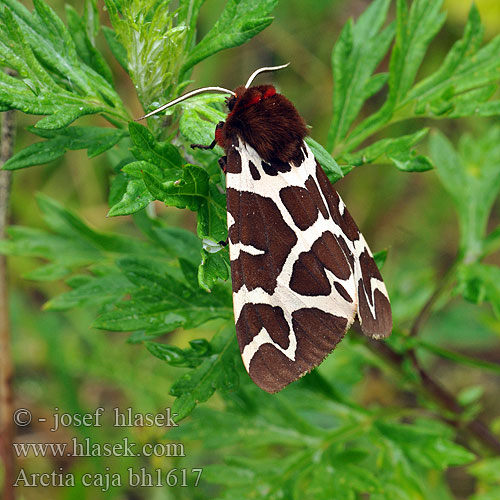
[
  {"x": 373, "y": 307},
  {"x": 297, "y": 264}
]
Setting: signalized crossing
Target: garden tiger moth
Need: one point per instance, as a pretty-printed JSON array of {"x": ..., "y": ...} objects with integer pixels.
[{"x": 301, "y": 270}]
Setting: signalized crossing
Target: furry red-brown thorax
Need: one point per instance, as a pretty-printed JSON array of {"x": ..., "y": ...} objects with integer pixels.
[{"x": 264, "y": 119}]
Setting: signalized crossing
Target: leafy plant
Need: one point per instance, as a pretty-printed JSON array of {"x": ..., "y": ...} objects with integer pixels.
[{"x": 170, "y": 278}]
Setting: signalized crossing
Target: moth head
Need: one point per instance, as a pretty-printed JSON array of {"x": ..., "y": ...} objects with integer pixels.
[
  {"x": 243, "y": 92},
  {"x": 231, "y": 101},
  {"x": 247, "y": 97}
]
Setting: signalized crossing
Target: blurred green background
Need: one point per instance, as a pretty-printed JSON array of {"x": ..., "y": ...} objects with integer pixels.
[{"x": 61, "y": 362}]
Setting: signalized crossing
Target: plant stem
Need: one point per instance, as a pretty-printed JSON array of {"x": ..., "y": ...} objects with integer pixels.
[
  {"x": 6, "y": 366},
  {"x": 426, "y": 310},
  {"x": 444, "y": 398}
]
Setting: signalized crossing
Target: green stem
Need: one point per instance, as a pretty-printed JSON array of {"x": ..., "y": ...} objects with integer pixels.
[{"x": 426, "y": 310}]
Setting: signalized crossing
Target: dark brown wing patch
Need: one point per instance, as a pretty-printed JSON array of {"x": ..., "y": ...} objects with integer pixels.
[
  {"x": 254, "y": 317},
  {"x": 261, "y": 269},
  {"x": 253, "y": 171},
  {"x": 300, "y": 205},
  {"x": 317, "y": 335}
]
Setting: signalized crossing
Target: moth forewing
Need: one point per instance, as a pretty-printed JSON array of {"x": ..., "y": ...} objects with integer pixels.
[{"x": 301, "y": 270}]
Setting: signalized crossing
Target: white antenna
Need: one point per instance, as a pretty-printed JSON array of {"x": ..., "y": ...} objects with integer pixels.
[
  {"x": 210, "y": 89},
  {"x": 184, "y": 97},
  {"x": 262, "y": 70}
]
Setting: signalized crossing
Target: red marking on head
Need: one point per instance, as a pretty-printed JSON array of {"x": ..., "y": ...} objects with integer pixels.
[
  {"x": 253, "y": 101},
  {"x": 269, "y": 92}
]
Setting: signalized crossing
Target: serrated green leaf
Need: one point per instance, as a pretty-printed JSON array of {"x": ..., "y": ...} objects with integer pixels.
[
  {"x": 415, "y": 30},
  {"x": 178, "y": 242},
  {"x": 466, "y": 67},
  {"x": 199, "y": 118},
  {"x": 480, "y": 282},
  {"x": 427, "y": 447},
  {"x": 228, "y": 475},
  {"x": 161, "y": 302},
  {"x": 214, "y": 266},
  {"x": 118, "y": 50},
  {"x": 135, "y": 198},
  {"x": 95, "y": 139},
  {"x": 84, "y": 46},
  {"x": 50, "y": 272},
  {"x": 460, "y": 87},
  {"x": 188, "y": 191},
  {"x": 472, "y": 178},
  {"x": 212, "y": 215},
  {"x": 355, "y": 56},
  {"x": 62, "y": 116},
  {"x": 98, "y": 291},
  {"x": 191, "y": 357},
  {"x": 216, "y": 372},
  {"x": 146, "y": 148},
  {"x": 37, "y": 154},
  {"x": 396, "y": 150},
  {"x": 240, "y": 20},
  {"x": 54, "y": 80}
]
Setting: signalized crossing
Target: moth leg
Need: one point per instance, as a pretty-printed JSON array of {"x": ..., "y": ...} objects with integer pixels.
[
  {"x": 203, "y": 146},
  {"x": 213, "y": 143},
  {"x": 223, "y": 163},
  {"x": 224, "y": 243}
]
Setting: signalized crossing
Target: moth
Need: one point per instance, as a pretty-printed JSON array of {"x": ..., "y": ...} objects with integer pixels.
[{"x": 301, "y": 270}]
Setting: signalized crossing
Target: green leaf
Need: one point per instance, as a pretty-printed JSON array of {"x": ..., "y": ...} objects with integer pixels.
[
  {"x": 188, "y": 14},
  {"x": 480, "y": 282},
  {"x": 240, "y": 20},
  {"x": 146, "y": 148},
  {"x": 355, "y": 56},
  {"x": 95, "y": 139},
  {"x": 487, "y": 469},
  {"x": 84, "y": 46},
  {"x": 396, "y": 150},
  {"x": 189, "y": 191},
  {"x": 466, "y": 67},
  {"x": 175, "y": 356},
  {"x": 199, "y": 118},
  {"x": 472, "y": 178},
  {"x": 461, "y": 86},
  {"x": 214, "y": 266},
  {"x": 380, "y": 258},
  {"x": 50, "y": 272},
  {"x": 178, "y": 242},
  {"x": 53, "y": 79},
  {"x": 161, "y": 301},
  {"x": 414, "y": 31},
  {"x": 471, "y": 394},
  {"x": 216, "y": 372},
  {"x": 134, "y": 195},
  {"x": 192, "y": 190},
  {"x": 98, "y": 291},
  {"x": 330, "y": 166},
  {"x": 426, "y": 446},
  {"x": 118, "y": 50}
]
